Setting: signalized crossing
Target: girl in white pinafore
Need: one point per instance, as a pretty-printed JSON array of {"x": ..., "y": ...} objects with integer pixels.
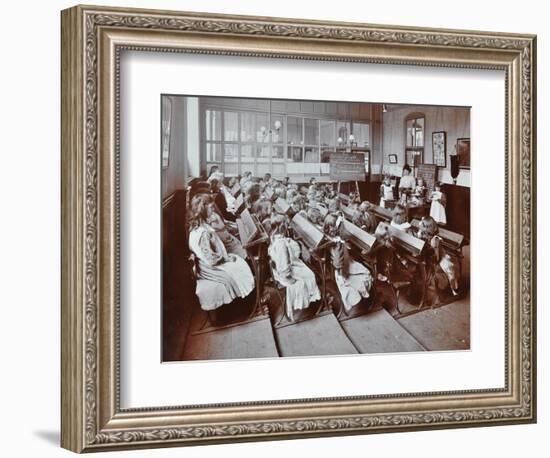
[
  {"x": 386, "y": 191},
  {"x": 221, "y": 277},
  {"x": 290, "y": 271},
  {"x": 353, "y": 279},
  {"x": 439, "y": 201}
]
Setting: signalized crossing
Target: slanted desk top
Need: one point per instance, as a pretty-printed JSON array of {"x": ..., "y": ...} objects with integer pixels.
[
  {"x": 251, "y": 232},
  {"x": 307, "y": 231},
  {"x": 450, "y": 238},
  {"x": 281, "y": 206},
  {"x": 384, "y": 214},
  {"x": 348, "y": 212},
  {"x": 411, "y": 244},
  {"x": 358, "y": 237}
]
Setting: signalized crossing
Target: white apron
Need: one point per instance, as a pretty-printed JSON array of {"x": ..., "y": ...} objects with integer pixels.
[
  {"x": 437, "y": 210},
  {"x": 387, "y": 194},
  {"x": 212, "y": 293},
  {"x": 285, "y": 253}
]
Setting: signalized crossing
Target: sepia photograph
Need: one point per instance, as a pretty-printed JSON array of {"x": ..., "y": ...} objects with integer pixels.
[{"x": 298, "y": 228}]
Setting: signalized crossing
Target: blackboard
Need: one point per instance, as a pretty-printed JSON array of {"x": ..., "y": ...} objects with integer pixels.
[
  {"x": 347, "y": 166},
  {"x": 428, "y": 172}
]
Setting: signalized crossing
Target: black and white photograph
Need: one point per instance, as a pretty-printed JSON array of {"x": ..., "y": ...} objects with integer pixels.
[{"x": 296, "y": 228}]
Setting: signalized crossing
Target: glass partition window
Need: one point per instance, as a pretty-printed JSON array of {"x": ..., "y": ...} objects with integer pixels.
[
  {"x": 342, "y": 132},
  {"x": 231, "y": 127},
  {"x": 213, "y": 125},
  {"x": 239, "y": 141},
  {"x": 311, "y": 131},
  {"x": 361, "y": 132},
  {"x": 295, "y": 130}
]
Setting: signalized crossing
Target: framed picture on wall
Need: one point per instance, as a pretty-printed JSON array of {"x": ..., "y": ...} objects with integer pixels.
[
  {"x": 439, "y": 148},
  {"x": 152, "y": 283},
  {"x": 463, "y": 152}
]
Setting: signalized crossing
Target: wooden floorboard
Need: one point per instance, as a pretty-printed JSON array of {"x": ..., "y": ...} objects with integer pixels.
[
  {"x": 379, "y": 332},
  {"x": 443, "y": 328},
  {"x": 249, "y": 340},
  {"x": 321, "y": 335}
]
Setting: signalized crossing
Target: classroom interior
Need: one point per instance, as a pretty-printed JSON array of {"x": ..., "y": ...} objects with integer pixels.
[{"x": 297, "y": 154}]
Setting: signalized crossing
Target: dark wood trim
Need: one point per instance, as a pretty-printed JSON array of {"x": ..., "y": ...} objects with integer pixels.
[{"x": 177, "y": 281}]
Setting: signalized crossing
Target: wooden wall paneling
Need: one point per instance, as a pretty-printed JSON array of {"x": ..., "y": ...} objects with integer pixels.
[{"x": 178, "y": 298}]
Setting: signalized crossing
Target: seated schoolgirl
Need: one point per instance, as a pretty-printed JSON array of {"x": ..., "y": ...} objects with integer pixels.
[
  {"x": 399, "y": 219},
  {"x": 247, "y": 176},
  {"x": 234, "y": 186},
  {"x": 363, "y": 221},
  {"x": 215, "y": 220},
  {"x": 368, "y": 220},
  {"x": 390, "y": 266},
  {"x": 312, "y": 184},
  {"x": 298, "y": 204},
  {"x": 334, "y": 205},
  {"x": 353, "y": 279},
  {"x": 223, "y": 199},
  {"x": 262, "y": 209},
  {"x": 221, "y": 276},
  {"x": 314, "y": 215},
  {"x": 289, "y": 270},
  {"x": 428, "y": 231},
  {"x": 252, "y": 193},
  {"x": 279, "y": 191},
  {"x": 290, "y": 194}
]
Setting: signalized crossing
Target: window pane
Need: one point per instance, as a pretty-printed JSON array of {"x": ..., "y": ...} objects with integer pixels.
[
  {"x": 419, "y": 137},
  {"x": 263, "y": 153},
  {"x": 410, "y": 134},
  {"x": 262, "y": 169},
  {"x": 294, "y": 131},
  {"x": 231, "y": 126},
  {"x": 311, "y": 131},
  {"x": 231, "y": 152},
  {"x": 248, "y": 126},
  {"x": 420, "y": 132},
  {"x": 295, "y": 154},
  {"x": 254, "y": 127},
  {"x": 278, "y": 153},
  {"x": 262, "y": 128},
  {"x": 415, "y": 132},
  {"x": 277, "y": 128},
  {"x": 231, "y": 169},
  {"x": 279, "y": 170},
  {"x": 343, "y": 130},
  {"x": 247, "y": 167},
  {"x": 328, "y": 133},
  {"x": 361, "y": 133},
  {"x": 213, "y": 125},
  {"x": 213, "y": 152},
  {"x": 247, "y": 153},
  {"x": 312, "y": 155}
]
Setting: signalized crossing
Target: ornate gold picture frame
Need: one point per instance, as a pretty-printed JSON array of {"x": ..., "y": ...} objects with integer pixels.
[{"x": 92, "y": 41}]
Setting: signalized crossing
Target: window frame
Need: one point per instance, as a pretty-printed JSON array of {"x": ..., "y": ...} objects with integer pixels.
[{"x": 253, "y": 164}]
